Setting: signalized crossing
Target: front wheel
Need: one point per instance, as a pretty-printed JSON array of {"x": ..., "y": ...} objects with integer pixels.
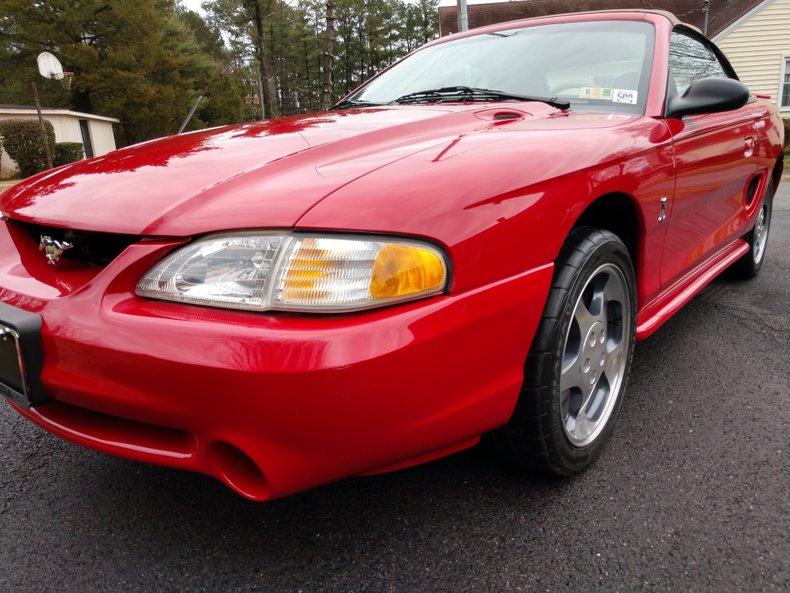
[{"x": 578, "y": 366}]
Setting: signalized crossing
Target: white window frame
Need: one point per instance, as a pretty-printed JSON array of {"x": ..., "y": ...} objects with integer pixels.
[{"x": 785, "y": 68}]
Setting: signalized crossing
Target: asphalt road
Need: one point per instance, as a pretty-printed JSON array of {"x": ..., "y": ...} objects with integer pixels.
[{"x": 690, "y": 495}]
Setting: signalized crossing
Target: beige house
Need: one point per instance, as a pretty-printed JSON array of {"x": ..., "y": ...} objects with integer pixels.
[
  {"x": 758, "y": 45},
  {"x": 94, "y": 132}
]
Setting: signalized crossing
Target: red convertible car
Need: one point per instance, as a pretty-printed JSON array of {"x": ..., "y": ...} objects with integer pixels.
[{"x": 466, "y": 247}]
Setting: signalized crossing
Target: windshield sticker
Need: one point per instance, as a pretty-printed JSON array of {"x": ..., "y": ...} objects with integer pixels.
[
  {"x": 625, "y": 96},
  {"x": 596, "y": 92},
  {"x": 602, "y": 117}
]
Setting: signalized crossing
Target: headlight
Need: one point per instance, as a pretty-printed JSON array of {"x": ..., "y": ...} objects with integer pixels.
[{"x": 270, "y": 271}]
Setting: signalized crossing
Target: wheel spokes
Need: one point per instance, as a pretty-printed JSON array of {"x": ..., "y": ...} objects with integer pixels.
[
  {"x": 584, "y": 318},
  {"x": 760, "y": 234},
  {"x": 613, "y": 292},
  {"x": 571, "y": 376},
  {"x": 580, "y": 426},
  {"x": 594, "y": 355},
  {"x": 613, "y": 366}
]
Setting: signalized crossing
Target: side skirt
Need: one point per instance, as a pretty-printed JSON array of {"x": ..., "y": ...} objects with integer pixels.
[{"x": 655, "y": 314}]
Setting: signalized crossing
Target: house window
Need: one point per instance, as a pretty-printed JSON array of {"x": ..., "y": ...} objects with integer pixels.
[
  {"x": 87, "y": 142},
  {"x": 786, "y": 83}
]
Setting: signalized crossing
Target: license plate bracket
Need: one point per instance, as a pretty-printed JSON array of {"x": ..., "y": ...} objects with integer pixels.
[{"x": 21, "y": 356}]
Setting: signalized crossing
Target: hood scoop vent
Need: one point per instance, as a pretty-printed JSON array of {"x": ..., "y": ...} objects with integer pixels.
[
  {"x": 501, "y": 115},
  {"x": 506, "y": 115}
]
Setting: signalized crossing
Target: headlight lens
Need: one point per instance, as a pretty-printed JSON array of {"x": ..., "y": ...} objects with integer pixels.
[
  {"x": 261, "y": 271},
  {"x": 220, "y": 271}
]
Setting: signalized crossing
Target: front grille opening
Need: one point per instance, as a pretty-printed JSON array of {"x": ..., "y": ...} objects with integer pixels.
[{"x": 88, "y": 247}]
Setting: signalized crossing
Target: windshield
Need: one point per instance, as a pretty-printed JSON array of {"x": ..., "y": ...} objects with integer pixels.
[{"x": 596, "y": 66}]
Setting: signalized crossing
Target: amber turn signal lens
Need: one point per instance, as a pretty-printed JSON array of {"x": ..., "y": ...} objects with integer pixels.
[
  {"x": 329, "y": 273},
  {"x": 406, "y": 270}
]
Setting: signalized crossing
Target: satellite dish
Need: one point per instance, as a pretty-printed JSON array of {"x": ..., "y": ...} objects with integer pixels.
[{"x": 49, "y": 66}]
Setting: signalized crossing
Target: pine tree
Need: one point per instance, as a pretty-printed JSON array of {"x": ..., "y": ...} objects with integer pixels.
[{"x": 146, "y": 61}]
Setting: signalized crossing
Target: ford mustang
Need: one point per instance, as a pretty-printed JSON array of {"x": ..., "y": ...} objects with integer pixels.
[{"x": 466, "y": 247}]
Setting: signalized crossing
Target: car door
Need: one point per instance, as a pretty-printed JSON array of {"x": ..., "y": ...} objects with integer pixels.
[{"x": 715, "y": 159}]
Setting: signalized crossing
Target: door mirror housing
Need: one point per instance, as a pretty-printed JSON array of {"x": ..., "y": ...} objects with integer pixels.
[{"x": 709, "y": 95}]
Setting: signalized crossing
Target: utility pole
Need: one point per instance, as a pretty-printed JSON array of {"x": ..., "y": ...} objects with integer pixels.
[
  {"x": 705, "y": 11},
  {"x": 463, "y": 15}
]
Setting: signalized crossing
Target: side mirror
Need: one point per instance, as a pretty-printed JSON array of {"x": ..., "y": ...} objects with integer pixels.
[{"x": 709, "y": 95}]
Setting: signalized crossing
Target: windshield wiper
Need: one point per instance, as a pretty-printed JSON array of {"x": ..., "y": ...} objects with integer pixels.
[
  {"x": 349, "y": 103},
  {"x": 465, "y": 93}
]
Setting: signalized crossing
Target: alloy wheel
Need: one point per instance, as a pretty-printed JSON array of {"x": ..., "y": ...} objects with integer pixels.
[
  {"x": 761, "y": 234},
  {"x": 595, "y": 355}
]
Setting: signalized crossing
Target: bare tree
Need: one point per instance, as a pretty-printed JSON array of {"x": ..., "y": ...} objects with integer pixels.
[
  {"x": 329, "y": 44},
  {"x": 260, "y": 52}
]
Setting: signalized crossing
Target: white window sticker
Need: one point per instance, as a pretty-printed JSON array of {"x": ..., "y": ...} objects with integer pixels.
[{"x": 625, "y": 96}]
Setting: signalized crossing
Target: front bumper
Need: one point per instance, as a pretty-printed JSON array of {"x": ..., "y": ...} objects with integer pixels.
[{"x": 269, "y": 403}]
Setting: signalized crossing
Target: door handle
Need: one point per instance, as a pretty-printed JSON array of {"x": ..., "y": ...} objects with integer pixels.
[{"x": 750, "y": 144}]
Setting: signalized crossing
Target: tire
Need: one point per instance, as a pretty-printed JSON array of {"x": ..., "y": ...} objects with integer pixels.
[
  {"x": 546, "y": 432},
  {"x": 752, "y": 261}
]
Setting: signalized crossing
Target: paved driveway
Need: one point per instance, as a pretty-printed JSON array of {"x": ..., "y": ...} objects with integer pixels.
[{"x": 691, "y": 494}]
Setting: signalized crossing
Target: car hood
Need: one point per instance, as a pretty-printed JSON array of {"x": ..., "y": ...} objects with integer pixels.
[{"x": 266, "y": 174}]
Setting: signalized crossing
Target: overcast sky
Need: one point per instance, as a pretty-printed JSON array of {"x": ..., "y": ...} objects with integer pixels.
[{"x": 195, "y": 4}]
